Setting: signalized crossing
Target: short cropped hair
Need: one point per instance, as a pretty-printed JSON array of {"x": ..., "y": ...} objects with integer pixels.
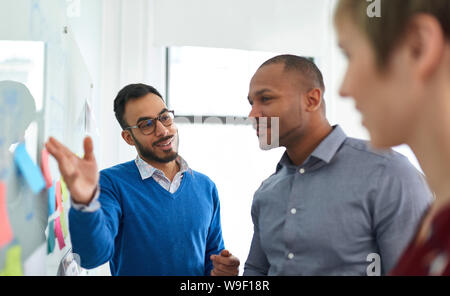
[
  {"x": 304, "y": 66},
  {"x": 129, "y": 93}
]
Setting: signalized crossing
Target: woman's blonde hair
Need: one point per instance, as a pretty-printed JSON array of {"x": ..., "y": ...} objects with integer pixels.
[{"x": 386, "y": 31}]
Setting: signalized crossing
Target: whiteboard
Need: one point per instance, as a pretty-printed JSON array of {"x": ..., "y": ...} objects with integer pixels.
[{"x": 63, "y": 112}]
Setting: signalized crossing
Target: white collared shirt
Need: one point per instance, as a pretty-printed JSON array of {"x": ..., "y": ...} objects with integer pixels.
[{"x": 147, "y": 171}]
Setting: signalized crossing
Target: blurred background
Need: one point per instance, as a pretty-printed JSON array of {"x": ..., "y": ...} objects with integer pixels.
[{"x": 200, "y": 54}]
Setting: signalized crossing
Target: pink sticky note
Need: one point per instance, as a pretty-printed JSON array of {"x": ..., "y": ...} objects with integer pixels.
[
  {"x": 59, "y": 234},
  {"x": 6, "y": 234},
  {"x": 45, "y": 167},
  {"x": 58, "y": 196}
]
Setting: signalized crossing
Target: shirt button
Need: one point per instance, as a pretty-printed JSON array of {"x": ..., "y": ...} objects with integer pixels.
[
  {"x": 291, "y": 256},
  {"x": 293, "y": 211},
  {"x": 302, "y": 171}
]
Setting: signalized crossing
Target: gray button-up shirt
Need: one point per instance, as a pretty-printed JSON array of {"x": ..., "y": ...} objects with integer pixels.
[{"x": 347, "y": 210}]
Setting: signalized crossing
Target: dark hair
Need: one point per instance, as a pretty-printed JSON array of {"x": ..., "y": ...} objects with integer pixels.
[
  {"x": 305, "y": 66},
  {"x": 129, "y": 93},
  {"x": 385, "y": 32}
]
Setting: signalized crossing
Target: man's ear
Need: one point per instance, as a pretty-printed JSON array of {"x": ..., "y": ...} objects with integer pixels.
[
  {"x": 313, "y": 99},
  {"x": 425, "y": 41},
  {"x": 126, "y": 135}
]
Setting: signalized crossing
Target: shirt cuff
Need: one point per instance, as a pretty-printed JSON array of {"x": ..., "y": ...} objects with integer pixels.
[{"x": 93, "y": 206}]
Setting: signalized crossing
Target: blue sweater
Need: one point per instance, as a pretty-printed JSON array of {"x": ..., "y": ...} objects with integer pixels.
[{"x": 142, "y": 229}]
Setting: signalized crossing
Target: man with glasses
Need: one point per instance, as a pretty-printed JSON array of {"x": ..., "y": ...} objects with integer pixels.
[{"x": 150, "y": 216}]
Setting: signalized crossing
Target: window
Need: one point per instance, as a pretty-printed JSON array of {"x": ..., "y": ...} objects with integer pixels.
[
  {"x": 23, "y": 61},
  {"x": 206, "y": 82},
  {"x": 211, "y": 81}
]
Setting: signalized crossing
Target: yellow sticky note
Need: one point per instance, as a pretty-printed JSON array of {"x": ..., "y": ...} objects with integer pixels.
[
  {"x": 63, "y": 223},
  {"x": 64, "y": 191},
  {"x": 13, "y": 266}
]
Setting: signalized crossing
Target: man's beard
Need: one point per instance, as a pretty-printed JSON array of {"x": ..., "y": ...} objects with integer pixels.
[{"x": 148, "y": 154}]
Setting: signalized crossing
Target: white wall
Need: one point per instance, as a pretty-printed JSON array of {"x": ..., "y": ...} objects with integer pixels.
[
  {"x": 266, "y": 25},
  {"x": 128, "y": 56}
]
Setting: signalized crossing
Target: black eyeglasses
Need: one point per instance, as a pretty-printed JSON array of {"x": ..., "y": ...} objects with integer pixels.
[{"x": 148, "y": 126}]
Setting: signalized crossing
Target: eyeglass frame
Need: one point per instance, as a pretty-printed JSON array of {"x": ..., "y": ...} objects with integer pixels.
[{"x": 158, "y": 118}]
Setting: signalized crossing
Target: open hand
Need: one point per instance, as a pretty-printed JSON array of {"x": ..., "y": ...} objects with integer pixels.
[{"x": 80, "y": 174}]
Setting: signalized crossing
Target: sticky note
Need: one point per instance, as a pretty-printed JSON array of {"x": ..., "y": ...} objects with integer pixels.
[
  {"x": 59, "y": 205},
  {"x": 45, "y": 167},
  {"x": 51, "y": 200},
  {"x": 51, "y": 237},
  {"x": 63, "y": 223},
  {"x": 59, "y": 234},
  {"x": 6, "y": 234},
  {"x": 64, "y": 191},
  {"x": 28, "y": 169},
  {"x": 13, "y": 264}
]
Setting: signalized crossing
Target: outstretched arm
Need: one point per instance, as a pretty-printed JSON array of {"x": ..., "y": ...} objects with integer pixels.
[
  {"x": 80, "y": 174},
  {"x": 92, "y": 232}
]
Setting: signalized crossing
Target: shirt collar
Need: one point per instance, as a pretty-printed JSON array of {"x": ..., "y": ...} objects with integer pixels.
[
  {"x": 325, "y": 151},
  {"x": 329, "y": 146},
  {"x": 146, "y": 170}
]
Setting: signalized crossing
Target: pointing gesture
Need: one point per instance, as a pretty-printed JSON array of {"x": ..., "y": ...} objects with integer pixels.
[{"x": 80, "y": 174}]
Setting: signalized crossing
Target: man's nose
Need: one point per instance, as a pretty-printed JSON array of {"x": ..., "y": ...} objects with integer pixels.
[
  {"x": 255, "y": 112},
  {"x": 254, "y": 115},
  {"x": 161, "y": 130}
]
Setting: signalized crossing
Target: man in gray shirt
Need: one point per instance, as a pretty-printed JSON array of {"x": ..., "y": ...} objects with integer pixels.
[{"x": 334, "y": 206}]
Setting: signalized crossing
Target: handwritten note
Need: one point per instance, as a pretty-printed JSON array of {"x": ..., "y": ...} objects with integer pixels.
[
  {"x": 45, "y": 167},
  {"x": 13, "y": 265},
  {"x": 59, "y": 234},
  {"x": 51, "y": 237},
  {"x": 28, "y": 169},
  {"x": 6, "y": 234}
]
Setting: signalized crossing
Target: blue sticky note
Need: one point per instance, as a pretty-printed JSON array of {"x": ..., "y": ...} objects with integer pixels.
[
  {"x": 29, "y": 169},
  {"x": 51, "y": 199}
]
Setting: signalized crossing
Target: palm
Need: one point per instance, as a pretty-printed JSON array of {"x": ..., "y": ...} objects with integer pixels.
[{"x": 80, "y": 174}]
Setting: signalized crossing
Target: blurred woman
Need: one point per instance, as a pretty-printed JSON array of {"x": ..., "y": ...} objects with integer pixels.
[{"x": 399, "y": 77}]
